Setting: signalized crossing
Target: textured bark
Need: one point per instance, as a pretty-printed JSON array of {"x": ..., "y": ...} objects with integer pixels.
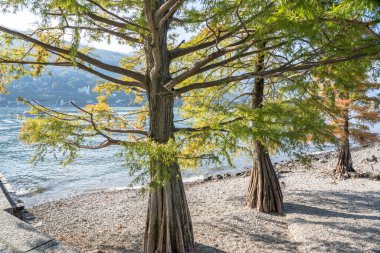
[
  {"x": 168, "y": 226},
  {"x": 264, "y": 190},
  {"x": 344, "y": 161}
]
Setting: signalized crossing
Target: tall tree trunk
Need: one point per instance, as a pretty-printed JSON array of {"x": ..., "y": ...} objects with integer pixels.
[
  {"x": 264, "y": 190},
  {"x": 168, "y": 226},
  {"x": 344, "y": 161}
]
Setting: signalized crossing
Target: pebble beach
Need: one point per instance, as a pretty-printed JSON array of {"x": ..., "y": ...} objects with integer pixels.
[{"x": 322, "y": 213}]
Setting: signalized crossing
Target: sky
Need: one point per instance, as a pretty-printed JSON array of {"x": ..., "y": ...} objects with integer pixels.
[{"x": 23, "y": 21}]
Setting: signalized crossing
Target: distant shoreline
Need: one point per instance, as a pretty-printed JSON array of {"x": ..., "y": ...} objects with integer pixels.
[{"x": 192, "y": 180}]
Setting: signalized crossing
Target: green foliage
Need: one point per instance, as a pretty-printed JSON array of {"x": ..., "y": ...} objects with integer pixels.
[
  {"x": 222, "y": 121},
  {"x": 51, "y": 134},
  {"x": 286, "y": 122},
  {"x": 147, "y": 157}
]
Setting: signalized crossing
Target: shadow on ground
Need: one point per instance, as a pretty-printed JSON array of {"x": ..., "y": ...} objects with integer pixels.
[
  {"x": 201, "y": 248},
  {"x": 346, "y": 201},
  {"x": 350, "y": 219}
]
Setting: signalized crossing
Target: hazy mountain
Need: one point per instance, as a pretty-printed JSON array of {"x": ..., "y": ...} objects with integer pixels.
[{"x": 58, "y": 85}]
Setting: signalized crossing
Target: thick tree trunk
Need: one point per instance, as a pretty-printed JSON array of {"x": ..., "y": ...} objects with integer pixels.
[
  {"x": 264, "y": 191},
  {"x": 168, "y": 227},
  {"x": 344, "y": 161}
]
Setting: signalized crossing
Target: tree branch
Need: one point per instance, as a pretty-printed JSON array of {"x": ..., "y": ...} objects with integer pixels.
[
  {"x": 132, "y": 74},
  {"x": 273, "y": 72},
  {"x": 127, "y": 131},
  {"x": 111, "y": 79},
  {"x": 178, "y": 52},
  {"x": 196, "y": 68},
  {"x": 104, "y": 144},
  {"x": 164, "y": 8},
  {"x": 116, "y": 16},
  {"x": 205, "y": 128},
  {"x": 170, "y": 13},
  {"x": 64, "y": 64}
]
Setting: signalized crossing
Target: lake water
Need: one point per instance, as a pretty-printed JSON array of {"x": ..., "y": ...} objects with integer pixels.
[{"x": 94, "y": 170}]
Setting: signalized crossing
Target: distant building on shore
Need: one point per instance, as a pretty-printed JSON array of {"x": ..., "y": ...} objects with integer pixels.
[{"x": 85, "y": 90}]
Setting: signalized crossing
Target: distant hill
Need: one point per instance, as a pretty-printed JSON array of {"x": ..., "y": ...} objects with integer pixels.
[{"x": 58, "y": 85}]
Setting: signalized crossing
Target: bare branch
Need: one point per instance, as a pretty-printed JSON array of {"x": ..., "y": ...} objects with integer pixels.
[
  {"x": 64, "y": 64},
  {"x": 164, "y": 8},
  {"x": 170, "y": 13},
  {"x": 127, "y": 131},
  {"x": 116, "y": 16},
  {"x": 132, "y": 85},
  {"x": 178, "y": 52},
  {"x": 104, "y": 144}
]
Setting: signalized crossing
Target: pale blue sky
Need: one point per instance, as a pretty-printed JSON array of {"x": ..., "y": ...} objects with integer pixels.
[{"x": 23, "y": 21}]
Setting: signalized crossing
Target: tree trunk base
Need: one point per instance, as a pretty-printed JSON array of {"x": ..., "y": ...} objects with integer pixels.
[
  {"x": 169, "y": 227},
  {"x": 344, "y": 165},
  {"x": 341, "y": 171},
  {"x": 264, "y": 191}
]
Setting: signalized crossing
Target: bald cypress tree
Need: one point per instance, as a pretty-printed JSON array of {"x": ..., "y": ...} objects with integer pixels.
[
  {"x": 164, "y": 67},
  {"x": 349, "y": 91}
]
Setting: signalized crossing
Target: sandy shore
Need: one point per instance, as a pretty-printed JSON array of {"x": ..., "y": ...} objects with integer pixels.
[{"x": 322, "y": 214}]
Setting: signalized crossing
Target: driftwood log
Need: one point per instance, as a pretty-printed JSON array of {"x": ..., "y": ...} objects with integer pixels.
[{"x": 17, "y": 207}]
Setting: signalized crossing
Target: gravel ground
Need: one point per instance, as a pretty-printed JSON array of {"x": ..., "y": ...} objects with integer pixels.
[
  {"x": 4, "y": 248},
  {"x": 323, "y": 214}
]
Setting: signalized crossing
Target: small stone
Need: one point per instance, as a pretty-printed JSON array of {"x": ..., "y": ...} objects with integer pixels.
[
  {"x": 366, "y": 174},
  {"x": 227, "y": 175},
  {"x": 209, "y": 178},
  {"x": 218, "y": 177},
  {"x": 38, "y": 224},
  {"x": 374, "y": 177},
  {"x": 373, "y": 159}
]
